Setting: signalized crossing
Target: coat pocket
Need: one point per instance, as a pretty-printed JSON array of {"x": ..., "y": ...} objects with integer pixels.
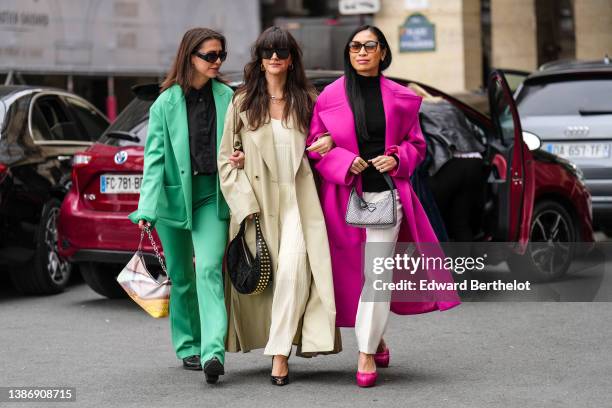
[{"x": 172, "y": 203}]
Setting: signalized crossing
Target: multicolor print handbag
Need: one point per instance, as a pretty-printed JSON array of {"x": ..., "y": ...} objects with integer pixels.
[{"x": 153, "y": 295}]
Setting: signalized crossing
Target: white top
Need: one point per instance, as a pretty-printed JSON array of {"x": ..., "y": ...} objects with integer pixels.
[{"x": 284, "y": 155}]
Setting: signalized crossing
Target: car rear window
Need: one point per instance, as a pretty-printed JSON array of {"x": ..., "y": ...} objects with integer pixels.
[
  {"x": 569, "y": 97},
  {"x": 132, "y": 119}
]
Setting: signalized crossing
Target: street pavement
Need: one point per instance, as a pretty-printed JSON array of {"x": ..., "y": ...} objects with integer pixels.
[{"x": 481, "y": 354}]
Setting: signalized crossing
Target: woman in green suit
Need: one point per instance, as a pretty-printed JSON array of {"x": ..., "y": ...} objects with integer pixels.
[{"x": 180, "y": 196}]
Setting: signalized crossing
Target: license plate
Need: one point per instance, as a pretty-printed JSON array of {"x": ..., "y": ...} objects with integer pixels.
[
  {"x": 120, "y": 184},
  {"x": 580, "y": 150}
]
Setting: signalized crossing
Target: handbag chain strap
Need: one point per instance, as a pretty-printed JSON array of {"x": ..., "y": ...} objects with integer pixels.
[{"x": 154, "y": 245}]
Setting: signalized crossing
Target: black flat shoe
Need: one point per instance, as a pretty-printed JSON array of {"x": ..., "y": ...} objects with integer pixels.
[
  {"x": 212, "y": 370},
  {"x": 192, "y": 363},
  {"x": 279, "y": 380}
]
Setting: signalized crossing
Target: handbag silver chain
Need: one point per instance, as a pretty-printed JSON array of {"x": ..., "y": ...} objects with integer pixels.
[{"x": 154, "y": 245}]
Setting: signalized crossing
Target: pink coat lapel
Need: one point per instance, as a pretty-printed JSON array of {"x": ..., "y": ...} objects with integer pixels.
[{"x": 338, "y": 120}]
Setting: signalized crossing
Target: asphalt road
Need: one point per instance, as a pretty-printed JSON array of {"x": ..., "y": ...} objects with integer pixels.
[{"x": 485, "y": 354}]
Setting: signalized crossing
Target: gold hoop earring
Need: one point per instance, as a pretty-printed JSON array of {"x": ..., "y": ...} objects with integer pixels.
[{"x": 262, "y": 67}]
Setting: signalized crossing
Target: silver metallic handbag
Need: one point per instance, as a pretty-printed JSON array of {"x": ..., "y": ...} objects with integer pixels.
[{"x": 381, "y": 214}]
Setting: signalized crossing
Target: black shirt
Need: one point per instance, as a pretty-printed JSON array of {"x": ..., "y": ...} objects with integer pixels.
[
  {"x": 372, "y": 144},
  {"x": 202, "y": 123}
]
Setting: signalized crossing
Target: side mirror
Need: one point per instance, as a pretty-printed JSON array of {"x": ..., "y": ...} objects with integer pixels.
[{"x": 532, "y": 141}]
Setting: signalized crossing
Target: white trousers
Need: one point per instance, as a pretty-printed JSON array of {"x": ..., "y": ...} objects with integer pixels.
[
  {"x": 292, "y": 278},
  {"x": 372, "y": 316}
]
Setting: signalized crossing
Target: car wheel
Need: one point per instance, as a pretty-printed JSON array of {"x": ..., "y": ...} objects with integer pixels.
[
  {"x": 49, "y": 273},
  {"x": 550, "y": 250},
  {"x": 102, "y": 278}
]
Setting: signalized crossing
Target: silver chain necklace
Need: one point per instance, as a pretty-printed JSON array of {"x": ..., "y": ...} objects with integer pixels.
[{"x": 276, "y": 99}]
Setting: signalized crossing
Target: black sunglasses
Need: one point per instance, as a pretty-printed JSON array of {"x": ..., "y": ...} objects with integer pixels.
[
  {"x": 281, "y": 53},
  {"x": 370, "y": 46},
  {"x": 211, "y": 56}
]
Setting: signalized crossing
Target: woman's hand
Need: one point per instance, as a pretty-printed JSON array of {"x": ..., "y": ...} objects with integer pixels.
[
  {"x": 384, "y": 163},
  {"x": 251, "y": 216},
  {"x": 143, "y": 223},
  {"x": 322, "y": 145},
  {"x": 358, "y": 165},
  {"x": 237, "y": 159}
]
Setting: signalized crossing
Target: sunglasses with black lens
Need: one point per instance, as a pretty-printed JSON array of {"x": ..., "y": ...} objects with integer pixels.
[
  {"x": 212, "y": 56},
  {"x": 370, "y": 46},
  {"x": 281, "y": 53}
]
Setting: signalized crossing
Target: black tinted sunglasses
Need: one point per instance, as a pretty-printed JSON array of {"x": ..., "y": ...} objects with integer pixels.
[
  {"x": 212, "y": 56},
  {"x": 281, "y": 53}
]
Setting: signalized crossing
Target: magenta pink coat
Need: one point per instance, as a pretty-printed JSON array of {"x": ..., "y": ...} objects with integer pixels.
[{"x": 403, "y": 137}]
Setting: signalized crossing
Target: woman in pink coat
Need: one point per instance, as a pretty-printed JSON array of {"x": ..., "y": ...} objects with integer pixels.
[{"x": 373, "y": 122}]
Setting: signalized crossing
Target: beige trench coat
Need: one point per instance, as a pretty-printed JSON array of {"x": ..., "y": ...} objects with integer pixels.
[{"x": 254, "y": 189}]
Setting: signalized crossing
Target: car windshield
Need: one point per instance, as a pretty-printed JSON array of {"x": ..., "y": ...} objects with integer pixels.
[
  {"x": 8, "y": 95},
  {"x": 568, "y": 97},
  {"x": 133, "y": 119}
]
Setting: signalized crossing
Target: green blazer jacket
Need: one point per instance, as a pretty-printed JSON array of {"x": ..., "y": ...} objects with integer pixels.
[{"x": 165, "y": 193}]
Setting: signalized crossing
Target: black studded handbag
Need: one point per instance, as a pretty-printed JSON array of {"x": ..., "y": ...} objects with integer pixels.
[{"x": 250, "y": 276}]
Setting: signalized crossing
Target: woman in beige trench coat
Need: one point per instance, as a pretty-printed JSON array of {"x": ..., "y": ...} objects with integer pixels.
[{"x": 277, "y": 183}]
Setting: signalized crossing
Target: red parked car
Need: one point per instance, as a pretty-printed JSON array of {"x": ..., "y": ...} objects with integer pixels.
[
  {"x": 532, "y": 195},
  {"x": 93, "y": 229}
]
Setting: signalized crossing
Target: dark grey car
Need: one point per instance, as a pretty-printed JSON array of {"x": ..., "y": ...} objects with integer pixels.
[
  {"x": 569, "y": 106},
  {"x": 40, "y": 131}
]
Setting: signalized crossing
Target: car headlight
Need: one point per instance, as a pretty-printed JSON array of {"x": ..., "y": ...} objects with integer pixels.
[
  {"x": 572, "y": 168},
  {"x": 576, "y": 170}
]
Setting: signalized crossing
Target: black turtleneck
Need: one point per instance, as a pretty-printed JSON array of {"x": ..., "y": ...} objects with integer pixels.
[{"x": 372, "y": 144}]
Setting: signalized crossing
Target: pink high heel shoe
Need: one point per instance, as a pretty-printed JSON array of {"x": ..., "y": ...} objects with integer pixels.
[
  {"x": 382, "y": 359},
  {"x": 366, "y": 379}
]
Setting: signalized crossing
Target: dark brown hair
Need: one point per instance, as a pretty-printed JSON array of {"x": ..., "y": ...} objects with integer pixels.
[
  {"x": 299, "y": 94},
  {"x": 182, "y": 71}
]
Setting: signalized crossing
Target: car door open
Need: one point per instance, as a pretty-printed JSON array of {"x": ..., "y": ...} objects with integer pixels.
[{"x": 516, "y": 193}]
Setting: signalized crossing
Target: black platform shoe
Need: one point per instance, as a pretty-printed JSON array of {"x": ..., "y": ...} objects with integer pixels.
[
  {"x": 192, "y": 363},
  {"x": 212, "y": 370},
  {"x": 279, "y": 380}
]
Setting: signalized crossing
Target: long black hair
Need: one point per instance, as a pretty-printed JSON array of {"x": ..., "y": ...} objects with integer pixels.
[
  {"x": 353, "y": 92},
  {"x": 299, "y": 93}
]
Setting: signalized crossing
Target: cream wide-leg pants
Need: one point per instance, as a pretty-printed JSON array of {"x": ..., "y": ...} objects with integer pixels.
[
  {"x": 292, "y": 278},
  {"x": 372, "y": 316}
]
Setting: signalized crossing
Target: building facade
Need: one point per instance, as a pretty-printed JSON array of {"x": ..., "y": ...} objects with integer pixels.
[{"x": 99, "y": 48}]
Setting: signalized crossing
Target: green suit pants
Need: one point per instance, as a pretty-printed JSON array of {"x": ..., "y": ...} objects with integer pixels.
[{"x": 198, "y": 318}]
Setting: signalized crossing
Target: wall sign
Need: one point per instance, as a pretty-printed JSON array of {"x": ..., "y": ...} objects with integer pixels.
[
  {"x": 416, "y": 4},
  {"x": 348, "y": 7},
  {"x": 119, "y": 37},
  {"x": 417, "y": 34}
]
